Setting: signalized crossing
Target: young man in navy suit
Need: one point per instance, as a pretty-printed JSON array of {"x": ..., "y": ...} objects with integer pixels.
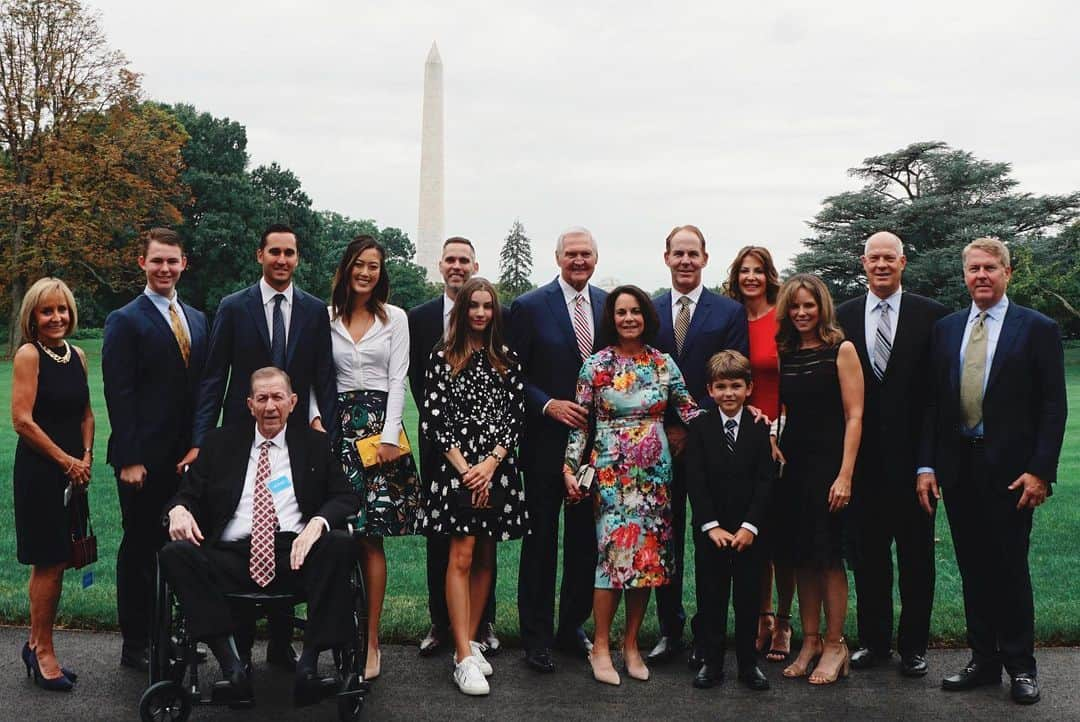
[
  {"x": 891, "y": 332},
  {"x": 553, "y": 329},
  {"x": 996, "y": 426},
  {"x": 695, "y": 324},
  {"x": 427, "y": 324},
  {"x": 151, "y": 361}
]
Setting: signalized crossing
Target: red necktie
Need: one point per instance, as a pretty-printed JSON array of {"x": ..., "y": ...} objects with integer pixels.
[{"x": 264, "y": 522}]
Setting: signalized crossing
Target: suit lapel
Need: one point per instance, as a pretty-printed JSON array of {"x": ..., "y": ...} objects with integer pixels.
[
  {"x": 561, "y": 312},
  {"x": 1010, "y": 328},
  {"x": 597, "y": 304},
  {"x": 297, "y": 462},
  {"x": 237, "y": 464},
  {"x": 301, "y": 313},
  {"x": 857, "y": 332},
  {"x": 699, "y": 319},
  {"x": 147, "y": 307},
  {"x": 901, "y": 334},
  {"x": 195, "y": 330},
  {"x": 665, "y": 338},
  {"x": 254, "y": 304},
  {"x": 955, "y": 337}
]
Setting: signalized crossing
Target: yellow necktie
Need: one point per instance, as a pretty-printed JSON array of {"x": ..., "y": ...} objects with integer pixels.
[
  {"x": 182, "y": 339},
  {"x": 973, "y": 373}
]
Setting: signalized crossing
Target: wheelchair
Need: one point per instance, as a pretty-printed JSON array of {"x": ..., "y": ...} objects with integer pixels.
[{"x": 175, "y": 683}]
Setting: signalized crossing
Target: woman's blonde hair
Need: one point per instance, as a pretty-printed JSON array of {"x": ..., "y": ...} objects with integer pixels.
[
  {"x": 787, "y": 336},
  {"x": 39, "y": 290}
]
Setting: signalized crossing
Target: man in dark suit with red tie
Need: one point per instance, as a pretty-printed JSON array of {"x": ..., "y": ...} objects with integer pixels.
[
  {"x": 891, "y": 332},
  {"x": 995, "y": 430},
  {"x": 151, "y": 361}
]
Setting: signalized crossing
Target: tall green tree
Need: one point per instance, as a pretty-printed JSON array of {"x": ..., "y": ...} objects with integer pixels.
[
  {"x": 936, "y": 199},
  {"x": 515, "y": 263}
]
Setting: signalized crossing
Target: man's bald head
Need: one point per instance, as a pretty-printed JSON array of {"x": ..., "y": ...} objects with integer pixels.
[
  {"x": 881, "y": 238},
  {"x": 883, "y": 262}
]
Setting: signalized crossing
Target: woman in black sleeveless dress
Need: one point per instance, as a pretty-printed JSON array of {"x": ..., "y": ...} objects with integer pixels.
[
  {"x": 821, "y": 390},
  {"x": 50, "y": 407}
]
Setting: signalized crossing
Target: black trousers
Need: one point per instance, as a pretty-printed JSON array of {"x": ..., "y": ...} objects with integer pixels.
[
  {"x": 991, "y": 540},
  {"x": 203, "y": 575},
  {"x": 438, "y": 557},
  {"x": 670, "y": 613},
  {"x": 724, "y": 574},
  {"x": 888, "y": 513},
  {"x": 140, "y": 512},
  {"x": 544, "y": 495}
]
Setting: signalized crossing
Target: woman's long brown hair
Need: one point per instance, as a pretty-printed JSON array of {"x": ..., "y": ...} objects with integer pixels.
[
  {"x": 456, "y": 347},
  {"x": 828, "y": 330}
]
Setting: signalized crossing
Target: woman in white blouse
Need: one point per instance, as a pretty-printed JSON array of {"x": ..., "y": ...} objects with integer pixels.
[{"x": 371, "y": 353}]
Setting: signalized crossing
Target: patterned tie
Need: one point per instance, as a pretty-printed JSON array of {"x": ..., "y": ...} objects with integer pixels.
[
  {"x": 729, "y": 434},
  {"x": 264, "y": 522},
  {"x": 182, "y": 339},
  {"x": 277, "y": 341},
  {"x": 973, "y": 373},
  {"x": 581, "y": 327},
  {"x": 682, "y": 323},
  {"x": 882, "y": 344}
]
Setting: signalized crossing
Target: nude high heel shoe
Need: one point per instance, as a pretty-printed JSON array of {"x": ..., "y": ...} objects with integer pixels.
[
  {"x": 842, "y": 670},
  {"x": 802, "y": 668},
  {"x": 607, "y": 676}
]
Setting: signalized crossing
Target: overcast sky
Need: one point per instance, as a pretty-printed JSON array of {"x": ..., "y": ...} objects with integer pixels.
[{"x": 626, "y": 117}]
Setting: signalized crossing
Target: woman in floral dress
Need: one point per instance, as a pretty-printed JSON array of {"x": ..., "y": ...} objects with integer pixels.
[{"x": 627, "y": 388}]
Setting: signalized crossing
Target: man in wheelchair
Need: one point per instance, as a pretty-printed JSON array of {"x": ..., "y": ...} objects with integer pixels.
[{"x": 263, "y": 509}]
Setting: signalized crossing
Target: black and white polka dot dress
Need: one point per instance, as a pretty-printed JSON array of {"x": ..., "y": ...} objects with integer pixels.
[{"x": 474, "y": 410}]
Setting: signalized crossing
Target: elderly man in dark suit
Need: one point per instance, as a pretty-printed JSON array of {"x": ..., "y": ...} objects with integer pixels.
[
  {"x": 151, "y": 362},
  {"x": 695, "y": 323},
  {"x": 891, "y": 332},
  {"x": 427, "y": 324},
  {"x": 998, "y": 421},
  {"x": 255, "y": 513},
  {"x": 553, "y": 329}
]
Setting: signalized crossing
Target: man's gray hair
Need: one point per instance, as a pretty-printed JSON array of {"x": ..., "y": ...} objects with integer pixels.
[
  {"x": 892, "y": 236},
  {"x": 573, "y": 231},
  {"x": 267, "y": 372}
]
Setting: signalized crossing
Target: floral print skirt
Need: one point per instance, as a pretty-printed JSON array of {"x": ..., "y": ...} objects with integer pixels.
[{"x": 391, "y": 492}]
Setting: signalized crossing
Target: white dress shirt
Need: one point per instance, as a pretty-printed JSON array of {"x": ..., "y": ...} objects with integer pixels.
[
  {"x": 447, "y": 307},
  {"x": 268, "y": 292},
  {"x": 379, "y": 361},
  {"x": 570, "y": 293},
  {"x": 694, "y": 297},
  {"x": 161, "y": 303},
  {"x": 737, "y": 418},
  {"x": 873, "y": 314},
  {"x": 995, "y": 317}
]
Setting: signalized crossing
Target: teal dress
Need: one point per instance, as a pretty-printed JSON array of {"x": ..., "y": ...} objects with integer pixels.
[{"x": 628, "y": 398}]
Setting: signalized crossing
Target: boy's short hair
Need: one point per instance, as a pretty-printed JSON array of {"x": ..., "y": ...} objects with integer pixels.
[{"x": 729, "y": 365}]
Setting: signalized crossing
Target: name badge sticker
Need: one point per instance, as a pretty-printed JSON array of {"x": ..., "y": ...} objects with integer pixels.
[{"x": 279, "y": 484}]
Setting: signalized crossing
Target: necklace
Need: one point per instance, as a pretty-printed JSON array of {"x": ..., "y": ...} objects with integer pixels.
[{"x": 55, "y": 356}]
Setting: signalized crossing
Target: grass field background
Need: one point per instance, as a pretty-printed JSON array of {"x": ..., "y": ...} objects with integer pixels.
[{"x": 1055, "y": 553}]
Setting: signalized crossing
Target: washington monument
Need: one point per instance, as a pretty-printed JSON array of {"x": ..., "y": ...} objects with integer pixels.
[{"x": 429, "y": 235}]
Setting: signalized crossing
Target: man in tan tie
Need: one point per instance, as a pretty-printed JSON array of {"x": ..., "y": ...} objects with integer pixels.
[{"x": 995, "y": 430}]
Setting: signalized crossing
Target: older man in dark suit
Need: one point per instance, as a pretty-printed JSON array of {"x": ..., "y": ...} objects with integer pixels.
[
  {"x": 553, "y": 329},
  {"x": 891, "y": 332},
  {"x": 151, "y": 361},
  {"x": 998, "y": 421}
]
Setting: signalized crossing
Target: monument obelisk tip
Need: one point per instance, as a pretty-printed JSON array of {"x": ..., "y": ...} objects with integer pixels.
[
  {"x": 433, "y": 56},
  {"x": 429, "y": 232}
]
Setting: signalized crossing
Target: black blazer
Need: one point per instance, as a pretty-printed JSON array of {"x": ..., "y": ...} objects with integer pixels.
[
  {"x": 211, "y": 488},
  {"x": 729, "y": 489},
  {"x": 1024, "y": 404},
  {"x": 543, "y": 338},
  {"x": 149, "y": 392},
  {"x": 893, "y": 407},
  {"x": 240, "y": 344}
]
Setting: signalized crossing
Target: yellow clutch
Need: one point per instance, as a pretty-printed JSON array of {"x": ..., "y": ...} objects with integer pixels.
[{"x": 369, "y": 445}]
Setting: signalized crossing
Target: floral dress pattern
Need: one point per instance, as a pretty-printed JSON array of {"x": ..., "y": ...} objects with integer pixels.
[
  {"x": 627, "y": 397},
  {"x": 475, "y": 410}
]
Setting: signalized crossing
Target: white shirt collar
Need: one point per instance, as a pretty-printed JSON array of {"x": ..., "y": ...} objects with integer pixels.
[
  {"x": 694, "y": 295},
  {"x": 736, "y": 418},
  {"x": 570, "y": 293},
  {"x": 996, "y": 312},
  {"x": 268, "y": 292},
  {"x": 447, "y": 304},
  {"x": 893, "y": 300},
  {"x": 278, "y": 440},
  {"x": 154, "y": 294}
]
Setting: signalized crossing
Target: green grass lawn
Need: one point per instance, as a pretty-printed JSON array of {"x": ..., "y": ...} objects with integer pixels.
[{"x": 1055, "y": 555}]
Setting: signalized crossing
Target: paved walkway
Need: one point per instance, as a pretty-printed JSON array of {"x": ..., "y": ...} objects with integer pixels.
[{"x": 412, "y": 688}]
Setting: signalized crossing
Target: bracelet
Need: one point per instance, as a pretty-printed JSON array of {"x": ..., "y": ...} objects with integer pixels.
[
  {"x": 89, "y": 450},
  {"x": 495, "y": 455}
]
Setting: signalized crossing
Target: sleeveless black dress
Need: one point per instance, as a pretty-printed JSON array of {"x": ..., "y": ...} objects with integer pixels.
[
  {"x": 813, "y": 445},
  {"x": 42, "y": 522}
]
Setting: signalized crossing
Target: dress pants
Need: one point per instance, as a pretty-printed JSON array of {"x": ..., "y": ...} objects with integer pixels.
[
  {"x": 890, "y": 511},
  {"x": 669, "y": 598},
  {"x": 438, "y": 558},
  {"x": 991, "y": 540},
  {"x": 141, "y": 511},
  {"x": 203, "y": 575},
  {"x": 724, "y": 574},
  {"x": 544, "y": 496}
]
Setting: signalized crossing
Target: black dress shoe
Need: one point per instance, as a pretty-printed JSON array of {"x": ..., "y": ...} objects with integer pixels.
[
  {"x": 281, "y": 654},
  {"x": 433, "y": 642},
  {"x": 753, "y": 678},
  {"x": 696, "y": 658},
  {"x": 577, "y": 644},
  {"x": 134, "y": 657},
  {"x": 540, "y": 660},
  {"x": 865, "y": 658},
  {"x": 665, "y": 649},
  {"x": 489, "y": 639},
  {"x": 974, "y": 674},
  {"x": 709, "y": 676},
  {"x": 310, "y": 688},
  {"x": 913, "y": 665},
  {"x": 235, "y": 690},
  {"x": 1025, "y": 689}
]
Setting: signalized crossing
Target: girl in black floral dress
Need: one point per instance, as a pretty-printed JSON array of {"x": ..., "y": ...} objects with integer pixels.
[{"x": 473, "y": 411}]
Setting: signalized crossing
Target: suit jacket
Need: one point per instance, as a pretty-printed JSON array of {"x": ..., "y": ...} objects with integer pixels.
[
  {"x": 1024, "y": 404},
  {"x": 240, "y": 344},
  {"x": 149, "y": 391},
  {"x": 542, "y": 336},
  {"x": 894, "y": 406},
  {"x": 719, "y": 323},
  {"x": 211, "y": 488},
  {"x": 726, "y": 488}
]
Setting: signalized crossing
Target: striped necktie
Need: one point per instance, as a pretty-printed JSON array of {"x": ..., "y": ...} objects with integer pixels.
[
  {"x": 581, "y": 327},
  {"x": 882, "y": 342},
  {"x": 729, "y": 434},
  {"x": 682, "y": 323}
]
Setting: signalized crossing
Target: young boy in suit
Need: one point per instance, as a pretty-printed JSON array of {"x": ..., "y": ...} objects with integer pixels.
[{"x": 730, "y": 474}]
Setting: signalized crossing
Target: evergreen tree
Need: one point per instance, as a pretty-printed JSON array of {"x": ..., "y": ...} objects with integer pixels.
[{"x": 515, "y": 263}]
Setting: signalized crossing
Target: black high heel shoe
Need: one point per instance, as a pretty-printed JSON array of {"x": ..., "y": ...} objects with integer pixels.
[
  {"x": 60, "y": 684},
  {"x": 27, "y": 655}
]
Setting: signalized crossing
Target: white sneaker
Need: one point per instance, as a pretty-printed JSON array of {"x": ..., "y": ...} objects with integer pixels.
[
  {"x": 469, "y": 679},
  {"x": 478, "y": 654}
]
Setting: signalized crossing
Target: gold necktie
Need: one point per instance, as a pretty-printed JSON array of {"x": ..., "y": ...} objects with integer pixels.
[
  {"x": 973, "y": 373},
  {"x": 182, "y": 339}
]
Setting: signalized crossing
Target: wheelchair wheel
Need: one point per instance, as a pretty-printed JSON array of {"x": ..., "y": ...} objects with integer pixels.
[
  {"x": 164, "y": 653},
  {"x": 350, "y": 703},
  {"x": 165, "y": 701}
]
